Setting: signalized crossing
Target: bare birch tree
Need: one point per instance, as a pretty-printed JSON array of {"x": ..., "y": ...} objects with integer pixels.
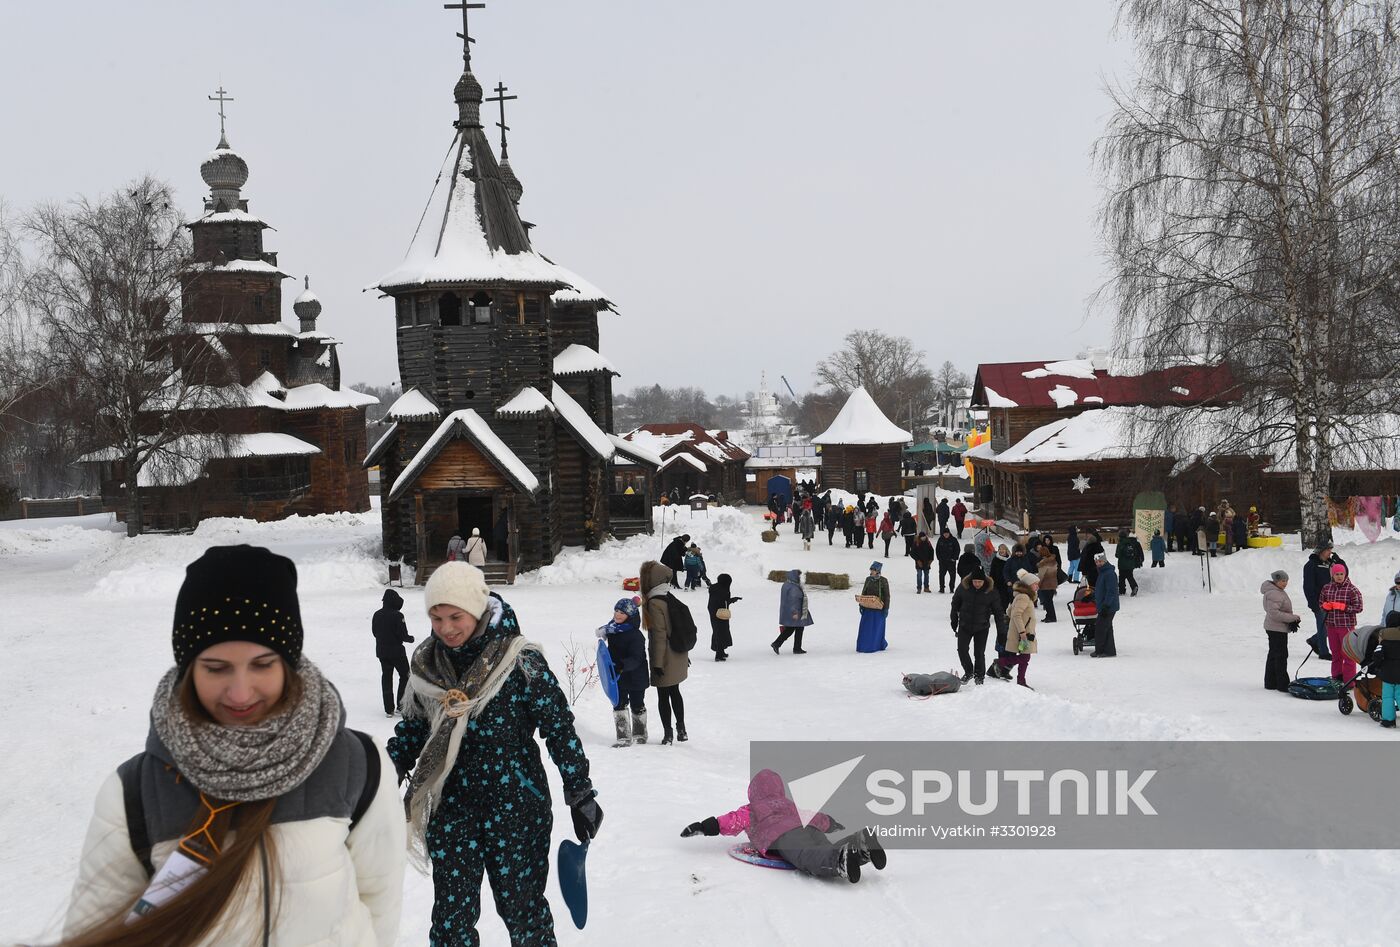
[
  {"x": 1252, "y": 215},
  {"x": 105, "y": 285}
]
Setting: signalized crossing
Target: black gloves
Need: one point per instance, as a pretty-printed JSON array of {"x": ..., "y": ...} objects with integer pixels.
[
  {"x": 709, "y": 826},
  {"x": 587, "y": 816}
]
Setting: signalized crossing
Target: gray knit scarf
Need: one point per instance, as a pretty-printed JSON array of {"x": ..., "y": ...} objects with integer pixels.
[{"x": 249, "y": 764}]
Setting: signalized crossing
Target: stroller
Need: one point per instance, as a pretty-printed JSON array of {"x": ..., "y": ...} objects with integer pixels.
[
  {"x": 1082, "y": 612},
  {"x": 1363, "y": 645}
]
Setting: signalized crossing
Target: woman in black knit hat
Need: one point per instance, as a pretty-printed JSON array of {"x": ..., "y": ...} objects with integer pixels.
[{"x": 254, "y": 815}]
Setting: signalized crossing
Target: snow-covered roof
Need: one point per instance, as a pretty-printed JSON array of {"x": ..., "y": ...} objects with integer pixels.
[
  {"x": 467, "y": 422},
  {"x": 982, "y": 450},
  {"x": 579, "y": 290},
  {"x": 267, "y": 383},
  {"x": 318, "y": 337},
  {"x": 239, "y": 328},
  {"x": 576, "y": 419},
  {"x": 470, "y": 232},
  {"x": 773, "y": 462},
  {"x": 413, "y": 405},
  {"x": 636, "y": 451},
  {"x": 526, "y": 402},
  {"x": 1072, "y": 368},
  {"x": 231, "y": 217},
  {"x": 862, "y": 422},
  {"x": 995, "y": 400},
  {"x": 688, "y": 458},
  {"x": 316, "y": 395},
  {"x": 712, "y": 450},
  {"x": 306, "y": 296},
  {"x": 1063, "y": 384},
  {"x": 580, "y": 360},
  {"x": 240, "y": 266},
  {"x": 182, "y": 461},
  {"x": 324, "y": 359},
  {"x": 380, "y": 445},
  {"x": 657, "y": 442}
]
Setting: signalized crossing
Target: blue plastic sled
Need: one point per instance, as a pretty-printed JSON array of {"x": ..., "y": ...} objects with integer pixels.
[
  {"x": 745, "y": 852},
  {"x": 607, "y": 673},
  {"x": 573, "y": 881}
]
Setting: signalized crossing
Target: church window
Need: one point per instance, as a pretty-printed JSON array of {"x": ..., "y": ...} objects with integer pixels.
[
  {"x": 481, "y": 309},
  {"x": 403, "y": 312},
  {"x": 265, "y": 358},
  {"x": 532, "y": 309},
  {"x": 258, "y": 305},
  {"x": 449, "y": 309},
  {"x": 862, "y": 483}
]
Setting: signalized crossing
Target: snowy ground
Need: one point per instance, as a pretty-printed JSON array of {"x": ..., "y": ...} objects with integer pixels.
[{"x": 85, "y": 635}]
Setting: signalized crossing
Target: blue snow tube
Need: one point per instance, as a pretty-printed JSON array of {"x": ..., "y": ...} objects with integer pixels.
[{"x": 607, "y": 673}]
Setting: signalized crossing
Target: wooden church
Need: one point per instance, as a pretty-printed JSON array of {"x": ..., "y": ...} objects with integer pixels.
[
  {"x": 505, "y": 425},
  {"x": 272, "y": 433}
]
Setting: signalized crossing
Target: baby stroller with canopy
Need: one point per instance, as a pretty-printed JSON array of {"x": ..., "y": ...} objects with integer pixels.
[
  {"x": 1363, "y": 645},
  {"x": 1082, "y": 612}
]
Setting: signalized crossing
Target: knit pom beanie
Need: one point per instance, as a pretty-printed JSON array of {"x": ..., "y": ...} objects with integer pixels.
[
  {"x": 238, "y": 593},
  {"x": 459, "y": 584}
]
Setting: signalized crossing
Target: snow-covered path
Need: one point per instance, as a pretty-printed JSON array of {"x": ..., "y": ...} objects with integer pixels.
[{"x": 85, "y": 632}]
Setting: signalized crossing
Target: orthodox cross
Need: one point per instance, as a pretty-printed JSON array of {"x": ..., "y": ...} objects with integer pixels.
[
  {"x": 501, "y": 98},
  {"x": 221, "y": 98},
  {"x": 466, "y": 35}
]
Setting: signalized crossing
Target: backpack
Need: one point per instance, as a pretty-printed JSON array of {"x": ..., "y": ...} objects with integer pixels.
[
  {"x": 681, "y": 638},
  {"x": 136, "y": 812}
]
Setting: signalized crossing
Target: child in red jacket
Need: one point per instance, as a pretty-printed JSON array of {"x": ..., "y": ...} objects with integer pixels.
[{"x": 775, "y": 827}]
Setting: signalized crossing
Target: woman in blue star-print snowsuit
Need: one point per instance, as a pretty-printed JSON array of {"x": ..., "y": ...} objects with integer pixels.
[{"x": 495, "y": 810}]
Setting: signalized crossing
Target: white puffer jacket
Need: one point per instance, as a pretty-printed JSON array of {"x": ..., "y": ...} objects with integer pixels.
[{"x": 336, "y": 887}]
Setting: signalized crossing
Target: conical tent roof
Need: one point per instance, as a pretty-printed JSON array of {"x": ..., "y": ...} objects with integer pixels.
[{"x": 862, "y": 422}]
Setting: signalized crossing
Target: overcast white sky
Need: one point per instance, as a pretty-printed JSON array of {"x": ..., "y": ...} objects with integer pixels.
[{"x": 747, "y": 179}]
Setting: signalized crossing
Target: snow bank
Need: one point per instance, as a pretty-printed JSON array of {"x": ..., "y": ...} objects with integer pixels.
[
  {"x": 65, "y": 538},
  {"x": 153, "y": 566},
  {"x": 726, "y": 537}
]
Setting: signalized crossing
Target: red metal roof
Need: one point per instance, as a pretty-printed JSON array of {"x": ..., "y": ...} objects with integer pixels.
[
  {"x": 698, "y": 436},
  {"x": 1187, "y": 384}
]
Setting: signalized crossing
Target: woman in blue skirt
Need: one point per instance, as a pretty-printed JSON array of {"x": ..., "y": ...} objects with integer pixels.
[{"x": 872, "y": 620}]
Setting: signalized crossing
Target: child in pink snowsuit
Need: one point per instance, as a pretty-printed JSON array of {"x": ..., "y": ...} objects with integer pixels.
[
  {"x": 1340, "y": 601},
  {"x": 775, "y": 827}
]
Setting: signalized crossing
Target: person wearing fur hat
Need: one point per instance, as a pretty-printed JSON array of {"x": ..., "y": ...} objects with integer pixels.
[
  {"x": 628, "y": 650},
  {"x": 253, "y": 815},
  {"x": 478, "y": 799},
  {"x": 390, "y": 635},
  {"x": 1020, "y": 634},
  {"x": 669, "y": 667},
  {"x": 871, "y": 636}
]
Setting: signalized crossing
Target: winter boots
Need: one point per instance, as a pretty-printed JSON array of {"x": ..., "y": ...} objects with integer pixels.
[
  {"x": 870, "y": 849},
  {"x": 639, "y": 727},
  {"x": 848, "y": 862},
  {"x": 623, "y": 728}
]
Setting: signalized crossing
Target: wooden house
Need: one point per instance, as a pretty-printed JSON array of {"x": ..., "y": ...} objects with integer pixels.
[
  {"x": 275, "y": 434},
  {"x": 694, "y": 460},
  {"x": 862, "y": 450},
  {"x": 505, "y": 424}
]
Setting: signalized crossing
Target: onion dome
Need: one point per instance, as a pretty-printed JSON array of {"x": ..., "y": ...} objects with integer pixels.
[
  {"x": 468, "y": 94},
  {"x": 513, "y": 186},
  {"x": 307, "y": 306},
  {"x": 225, "y": 172}
]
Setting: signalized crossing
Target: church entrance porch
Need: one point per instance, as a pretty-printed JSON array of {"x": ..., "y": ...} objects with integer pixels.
[{"x": 440, "y": 514}]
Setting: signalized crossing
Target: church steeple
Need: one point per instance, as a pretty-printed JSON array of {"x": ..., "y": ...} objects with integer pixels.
[
  {"x": 467, "y": 92},
  {"x": 513, "y": 186},
  {"x": 224, "y": 170}
]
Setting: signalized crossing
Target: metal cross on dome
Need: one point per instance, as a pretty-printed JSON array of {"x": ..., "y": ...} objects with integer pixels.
[
  {"x": 221, "y": 98},
  {"x": 466, "y": 35},
  {"x": 1081, "y": 483},
  {"x": 502, "y": 98}
]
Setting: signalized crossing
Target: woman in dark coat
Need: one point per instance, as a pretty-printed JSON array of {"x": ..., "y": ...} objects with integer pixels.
[
  {"x": 929, "y": 515},
  {"x": 1088, "y": 568},
  {"x": 1072, "y": 552},
  {"x": 720, "y": 639},
  {"x": 390, "y": 635}
]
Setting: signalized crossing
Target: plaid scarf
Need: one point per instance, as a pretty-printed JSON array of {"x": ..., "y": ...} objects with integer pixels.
[{"x": 249, "y": 764}]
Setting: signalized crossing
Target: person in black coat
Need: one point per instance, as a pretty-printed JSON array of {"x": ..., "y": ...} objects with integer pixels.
[
  {"x": 1317, "y": 572},
  {"x": 1072, "y": 551},
  {"x": 1241, "y": 531},
  {"x": 930, "y": 518},
  {"x": 1088, "y": 567},
  {"x": 390, "y": 635},
  {"x": 833, "y": 520},
  {"x": 975, "y": 606},
  {"x": 909, "y": 529},
  {"x": 1388, "y": 668},
  {"x": 943, "y": 515},
  {"x": 923, "y": 562},
  {"x": 720, "y": 638},
  {"x": 674, "y": 559},
  {"x": 967, "y": 561},
  {"x": 946, "y": 551}
]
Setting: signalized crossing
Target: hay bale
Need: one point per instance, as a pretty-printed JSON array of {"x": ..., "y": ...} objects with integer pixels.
[
  {"x": 777, "y": 575},
  {"x": 770, "y": 535},
  {"x": 839, "y": 581}
]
